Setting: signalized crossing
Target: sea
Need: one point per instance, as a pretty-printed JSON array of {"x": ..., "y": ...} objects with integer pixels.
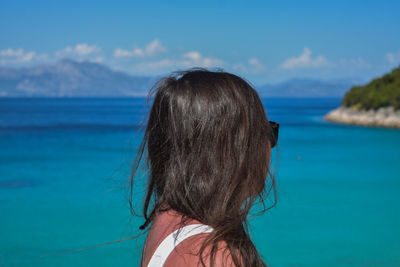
[{"x": 65, "y": 163}]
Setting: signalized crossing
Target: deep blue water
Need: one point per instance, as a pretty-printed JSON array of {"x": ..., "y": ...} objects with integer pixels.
[{"x": 63, "y": 164}]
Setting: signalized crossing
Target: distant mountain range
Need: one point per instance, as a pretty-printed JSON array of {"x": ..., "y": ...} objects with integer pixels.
[
  {"x": 306, "y": 88},
  {"x": 69, "y": 78}
]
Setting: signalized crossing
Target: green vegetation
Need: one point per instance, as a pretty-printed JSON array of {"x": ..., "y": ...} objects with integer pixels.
[{"x": 380, "y": 92}]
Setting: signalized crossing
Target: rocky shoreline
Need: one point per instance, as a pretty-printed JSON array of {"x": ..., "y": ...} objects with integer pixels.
[{"x": 382, "y": 117}]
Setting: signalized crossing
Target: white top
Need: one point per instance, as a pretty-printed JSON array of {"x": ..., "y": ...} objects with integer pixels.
[{"x": 172, "y": 240}]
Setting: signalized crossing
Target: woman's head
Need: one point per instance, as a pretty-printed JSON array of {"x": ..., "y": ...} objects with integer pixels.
[{"x": 208, "y": 152}]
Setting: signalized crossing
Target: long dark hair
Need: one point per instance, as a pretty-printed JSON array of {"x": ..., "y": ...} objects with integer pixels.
[{"x": 208, "y": 156}]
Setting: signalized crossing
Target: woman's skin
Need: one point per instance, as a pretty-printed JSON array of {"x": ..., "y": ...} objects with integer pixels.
[{"x": 187, "y": 252}]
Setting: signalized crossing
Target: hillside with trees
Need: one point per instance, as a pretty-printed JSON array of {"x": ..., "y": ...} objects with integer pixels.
[{"x": 380, "y": 92}]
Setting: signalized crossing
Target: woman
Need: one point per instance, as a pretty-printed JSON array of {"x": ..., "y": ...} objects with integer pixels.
[{"x": 208, "y": 143}]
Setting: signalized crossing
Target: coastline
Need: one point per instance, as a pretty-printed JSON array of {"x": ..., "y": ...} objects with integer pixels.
[{"x": 382, "y": 117}]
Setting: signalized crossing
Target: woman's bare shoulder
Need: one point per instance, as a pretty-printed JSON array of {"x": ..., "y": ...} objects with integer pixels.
[{"x": 187, "y": 253}]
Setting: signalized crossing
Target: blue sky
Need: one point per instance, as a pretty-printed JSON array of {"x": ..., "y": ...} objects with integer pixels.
[{"x": 264, "y": 41}]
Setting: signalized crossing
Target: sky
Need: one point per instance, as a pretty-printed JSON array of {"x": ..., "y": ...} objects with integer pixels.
[{"x": 263, "y": 41}]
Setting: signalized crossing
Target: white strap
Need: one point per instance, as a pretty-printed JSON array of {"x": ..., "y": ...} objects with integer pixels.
[{"x": 168, "y": 244}]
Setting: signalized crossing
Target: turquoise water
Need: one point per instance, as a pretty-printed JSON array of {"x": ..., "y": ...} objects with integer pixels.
[{"x": 63, "y": 164}]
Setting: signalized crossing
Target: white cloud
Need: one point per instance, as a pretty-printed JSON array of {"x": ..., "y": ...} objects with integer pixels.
[
  {"x": 151, "y": 49},
  {"x": 156, "y": 65},
  {"x": 154, "y": 48},
  {"x": 393, "y": 58},
  {"x": 187, "y": 60},
  {"x": 195, "y": 59},
  {"x": 305, "y": 61},
  {"x": 79, "y": 50},
  {"x": 239, "y": 67},
  {"x": 136, "y": 52},
  {"x": 358, "y": 62},
  {"x": 98, "y": 59},
  {"x": 256, "y": 65},
  {"x": 18, "y": 56},
  {"x": 84, "y": 49},
  {"x": 253, "y": 65}
]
